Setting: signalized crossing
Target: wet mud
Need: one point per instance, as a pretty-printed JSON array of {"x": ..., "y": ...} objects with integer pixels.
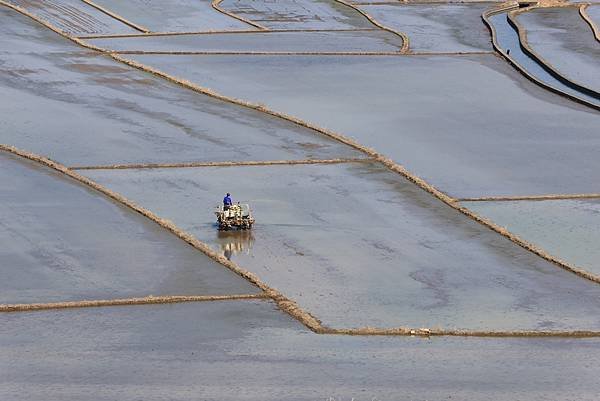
[
  {"x": 437, "y": 27},
  {"x": 562, "y": 38},
  {"x": 356, "y": 245},
  {"x": 62, "y": 242},
  {"x": 74, "y": 16},
  {"x": 506, "y": 137},
  {"x": 174, "y": 15},
  {"x": 82, "y": 108},
  {"x": 566, "y": 228},
  {"x": 212, "y": 350},
  {"x": 298, "y": 14},
  {"x": 341, "y": 41}
]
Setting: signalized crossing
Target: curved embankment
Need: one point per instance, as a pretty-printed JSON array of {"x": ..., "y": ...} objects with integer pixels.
[
  {"x": 506, "y": 42},
  {"x": 583, "y": 10},
  {"x": 543, "y": 62},
  {"x": 216, "y": 5},
  {"x": 284, "y": 303},
  {"x": 405, "y": 40},
  {"x": 111, "y": 14}
]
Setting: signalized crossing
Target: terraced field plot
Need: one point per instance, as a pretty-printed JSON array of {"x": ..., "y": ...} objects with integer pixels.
[
  {"x": 506, "y": 37},
  {"x": 359, "y": 246},
  {"x": 65, "y": 243},
  {"x": 565, "y": 42},
  {"x": 132, "y": 117},
  {"x": 298, "y": 14},
  {"x": 74, "y": 17},
  {"x": 501, "y": 139},
  {"x": 437, "y": 27},
  {"x": 175, "y": 15},
  {"x": 567, "y": 227},
  {"x": 291, "y": 41},
  {"x": 170, "y": 351},
  {"x": 471, "y": 275}
]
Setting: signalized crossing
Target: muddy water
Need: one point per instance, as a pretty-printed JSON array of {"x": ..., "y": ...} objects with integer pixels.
[
  {"x": 508, "y": 39},
  {"x": 357, "y": 245},
  {"x": 568, "y": 229},
  {"x": 340, "y": 41},
  {"x": 470, "y": 125},
  {"x": 63, "y": 242},
  {"x": 439, "y": 27},
  {"x": 174, "y": 15},
  {"x": 74, "y": 16},
  {"x": 566, "y": 42},
  {"x": 298, "y": 14},
  {"x": 81, "y": 108},
  {"x": 251, "y": 351}
]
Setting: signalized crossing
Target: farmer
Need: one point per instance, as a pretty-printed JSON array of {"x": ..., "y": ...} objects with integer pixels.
[{"x": 227, "y": 202}]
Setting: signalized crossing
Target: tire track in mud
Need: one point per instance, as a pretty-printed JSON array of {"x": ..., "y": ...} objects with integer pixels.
[{"x": 284, "y": 303}]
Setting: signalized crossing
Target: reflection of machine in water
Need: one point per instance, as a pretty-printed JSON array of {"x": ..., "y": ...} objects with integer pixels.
[{"x": 234, "y": 242}]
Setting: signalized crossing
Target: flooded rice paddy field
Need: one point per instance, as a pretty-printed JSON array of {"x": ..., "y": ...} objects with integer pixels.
[
  {"x": 349, "y": 242},
  {"x": 594, "y": 12},
  {"x": 291, "y": 41},
  {"x": 110, "y": 113},
  {"x": 174, "y": 15},
  {"x": 565, "y": 41},
  {"x": 508, "y": 41},
  {"x": 250, "y": 351},
  {"x": 359, "y": 246},
  {"x": 298, "y": 14},
  {"x": 569, "y": 227},
  {"x": 506, "y": 137},
  {"x": 63, "y": 242},
  {"x": 436, "y": 27},
  {"x": 74, "y": 17}
]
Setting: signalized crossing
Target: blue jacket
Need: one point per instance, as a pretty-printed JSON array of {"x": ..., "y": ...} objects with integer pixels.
[{"x": 227, "y": 201}]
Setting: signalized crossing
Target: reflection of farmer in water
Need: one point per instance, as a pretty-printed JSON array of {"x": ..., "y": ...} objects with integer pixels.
[{"x": 227, "y": 202}]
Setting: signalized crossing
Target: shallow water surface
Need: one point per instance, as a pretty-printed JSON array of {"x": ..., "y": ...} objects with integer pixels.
[
  {"x": 298, "y": 14},
  {"x": 357, "y": 245},
  {"x": 438, "y": 27},
  {"x": 74, "y": 17},
  {"x": 332, "y": 41},
  {"x": 248, "y": 350},
  {"x": 470, "y": 125},
  {"x": 82, "y": 108},
  {"x": 174, "y": 15},
  {"x": 508, "y": 39},
  {"x": 567, "y": 229},
  {"x": 565, "y": 41},
  {"x": 63, "y": 242}
]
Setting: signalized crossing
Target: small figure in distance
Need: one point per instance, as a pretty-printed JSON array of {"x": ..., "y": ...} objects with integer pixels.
[
  {"x": 508, "y": 52},
  {"x": 227, "y": 202}
]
